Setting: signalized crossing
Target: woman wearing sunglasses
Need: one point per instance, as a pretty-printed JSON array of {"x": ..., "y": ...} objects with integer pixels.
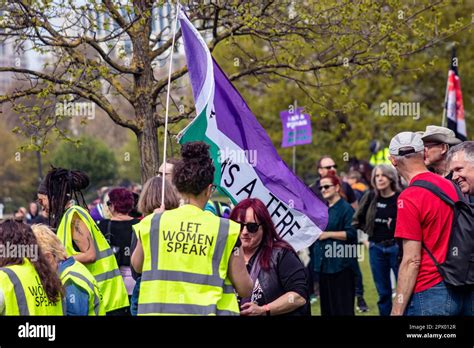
[
  {"x": 279, "y": 277},
  {"x": 334, "y": 252}
]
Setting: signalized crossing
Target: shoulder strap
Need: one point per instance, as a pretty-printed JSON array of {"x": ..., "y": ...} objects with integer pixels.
[
  {"x": 444, "y": 197},
  {"x": 435, "y": 190}
]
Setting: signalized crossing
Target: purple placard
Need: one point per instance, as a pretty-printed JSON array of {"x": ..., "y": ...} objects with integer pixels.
[{"x": 296, "y": 128}]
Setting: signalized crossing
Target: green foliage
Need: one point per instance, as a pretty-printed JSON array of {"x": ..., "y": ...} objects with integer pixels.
[
  {"x": 394, "y": 60},
  {"x": 18, "y": 173},
  {"x": 128, "y": 160},
  {"x": 91, "y": 156}
]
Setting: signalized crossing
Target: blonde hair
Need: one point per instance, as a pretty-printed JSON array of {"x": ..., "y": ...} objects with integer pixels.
[
  {"x": 150, "y": 197},
  {"x": 48, "y": 241}
]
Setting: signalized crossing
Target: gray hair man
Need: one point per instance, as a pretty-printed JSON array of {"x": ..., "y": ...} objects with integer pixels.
[
  {"x": 437, "y": 141},
  {"x": 461, "y": 163}
]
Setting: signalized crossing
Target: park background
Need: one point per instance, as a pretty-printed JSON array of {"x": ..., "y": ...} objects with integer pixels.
[{"x": 339, "y": 60}]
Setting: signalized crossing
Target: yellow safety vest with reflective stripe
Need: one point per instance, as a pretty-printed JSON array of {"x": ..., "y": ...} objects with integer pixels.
[
  {"x": 186, "y": 257},
  {"x": 105, "y": 269},
  {"x": 381, "y": 157},
  {"x": 24, "y": 292},
  {"x": 79, "y": 275}
]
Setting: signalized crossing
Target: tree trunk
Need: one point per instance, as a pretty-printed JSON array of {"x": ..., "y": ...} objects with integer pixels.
[
  {"x": 144, "y": 111},
  {"x": 148, "y": 150}
]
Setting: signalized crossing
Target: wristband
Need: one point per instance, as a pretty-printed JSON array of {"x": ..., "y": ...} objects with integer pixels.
[{"x": 267, "y": 309}]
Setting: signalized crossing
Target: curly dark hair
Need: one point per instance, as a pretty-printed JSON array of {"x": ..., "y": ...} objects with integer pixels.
[
  {"x": 195, "y": 171},
  {"x": 20, "y": 234},
  {"x": 61, "y": 185}
]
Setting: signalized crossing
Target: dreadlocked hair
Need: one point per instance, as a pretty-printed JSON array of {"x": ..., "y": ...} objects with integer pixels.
[
  {"x": 20, "y": 235},
  {"x": 63, "y": 185}
]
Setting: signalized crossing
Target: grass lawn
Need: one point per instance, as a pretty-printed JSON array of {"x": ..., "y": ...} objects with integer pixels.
[{"x": 370, "y": 293}]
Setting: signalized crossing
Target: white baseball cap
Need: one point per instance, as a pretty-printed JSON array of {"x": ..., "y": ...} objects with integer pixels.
[{"x": 405, "y": 143}]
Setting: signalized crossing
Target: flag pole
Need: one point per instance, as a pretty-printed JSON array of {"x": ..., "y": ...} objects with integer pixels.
[
  {"x": 443, "y": 121},
  {"x": 167, "y": 106}
]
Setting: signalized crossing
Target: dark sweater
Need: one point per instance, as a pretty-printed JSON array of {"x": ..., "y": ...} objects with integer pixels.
[{"x": 326, "y": 257}]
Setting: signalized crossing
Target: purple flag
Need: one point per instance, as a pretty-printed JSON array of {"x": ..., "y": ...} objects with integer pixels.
[{"x": 247, "y": 163}]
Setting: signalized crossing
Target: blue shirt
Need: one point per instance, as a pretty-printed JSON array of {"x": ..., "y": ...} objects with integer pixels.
[
  {"x": 77, "y": 300},
  {"x": 333, "y": 255}
]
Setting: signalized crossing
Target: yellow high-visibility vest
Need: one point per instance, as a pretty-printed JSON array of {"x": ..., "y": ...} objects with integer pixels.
[
  {"x": 381, "y": 157},
  {"x": 80, "y": 276},
  {"x": 186, "y": 257},
  {"x": 105, "y": 269},
  {"x": 24, "y": 292}
]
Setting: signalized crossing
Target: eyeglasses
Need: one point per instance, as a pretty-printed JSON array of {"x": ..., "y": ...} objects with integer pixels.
[
  {"x": 213, "y": 188},
  {"x": 334, "y": 166},
  {"x": 252, "y": 227},
  {"x": 324, "y": 187},
  {"x": 430, "y": 145}
]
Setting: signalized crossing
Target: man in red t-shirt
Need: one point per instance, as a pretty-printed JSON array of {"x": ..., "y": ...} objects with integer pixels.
[{"x": 422, "y": 218}]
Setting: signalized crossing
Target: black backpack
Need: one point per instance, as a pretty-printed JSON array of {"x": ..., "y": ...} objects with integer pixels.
[{"x": 458, "y": 268}]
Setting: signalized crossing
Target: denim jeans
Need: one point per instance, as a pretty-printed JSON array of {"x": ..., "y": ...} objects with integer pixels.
[
  {"x": 468, "y": 303},
  {"x": 134, "y": 299},
  {"x": 437, "y": 300},
  {"x": 382, "y": 260}
]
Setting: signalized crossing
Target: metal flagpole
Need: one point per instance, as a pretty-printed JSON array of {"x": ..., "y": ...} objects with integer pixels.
[
  {"x": 443, "y": 121},
  {"x": 167, "y": 106},
  {"x": 294, "y": 159}
]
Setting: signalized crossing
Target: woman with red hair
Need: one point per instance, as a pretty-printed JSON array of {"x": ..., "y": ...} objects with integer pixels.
[
  {"x": 279, "y": 278},
  {"x": 118, "y": 232},
  {"x": 335, "y": 251}
]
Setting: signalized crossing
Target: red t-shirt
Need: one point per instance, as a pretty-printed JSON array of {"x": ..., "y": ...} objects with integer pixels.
[{"x": 424, "y": 217}]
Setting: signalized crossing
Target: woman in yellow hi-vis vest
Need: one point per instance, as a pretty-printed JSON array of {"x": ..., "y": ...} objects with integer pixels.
[
  {"x": 28, "y": 284},
  {"x": 187, "y": 256},
  {"x": 61, "y": 197},
  {"x": 82, "y": 291}
]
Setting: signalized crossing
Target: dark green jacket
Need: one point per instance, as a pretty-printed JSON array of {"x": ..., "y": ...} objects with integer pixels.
[{"x": 326, "y": 257}]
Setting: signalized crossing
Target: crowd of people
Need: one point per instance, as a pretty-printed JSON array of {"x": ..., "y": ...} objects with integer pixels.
[{"x": 139, "y": 253}]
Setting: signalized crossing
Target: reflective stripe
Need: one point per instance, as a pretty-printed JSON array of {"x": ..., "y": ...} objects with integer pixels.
[
  {"x": 175, "y": 308},
  {"x": 108, "y": 275},
  {"x": 65, "y": 226},
  {"x": 179, "y": 276},
  {"x": 103, "y": 254},
  {"x": 154, "y": 240},
  {"x": 19, "y": 291},
  {"x": 228, "y": 289},
  {"x": 222, "y": 235},
  {"x": 91, "y": 286},
  {"x": 225, "y": 312}
]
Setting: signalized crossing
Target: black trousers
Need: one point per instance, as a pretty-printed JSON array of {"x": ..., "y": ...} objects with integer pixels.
[{"x": 337, "y": 292}]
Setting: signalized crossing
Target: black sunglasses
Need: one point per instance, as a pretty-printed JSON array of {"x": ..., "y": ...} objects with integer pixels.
[
  {"x": 252, "y": 227},
  {"x": 324, "y": 187},
  {"x": 334, "y": 166}
]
